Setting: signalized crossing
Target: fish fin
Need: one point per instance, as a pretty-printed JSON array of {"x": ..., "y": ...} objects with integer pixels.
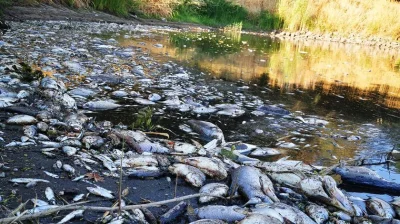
[{"x": 253, "y": 201}]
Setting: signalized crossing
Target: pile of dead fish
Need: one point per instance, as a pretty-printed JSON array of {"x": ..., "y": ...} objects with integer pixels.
[{"x": 284, "y": 191}]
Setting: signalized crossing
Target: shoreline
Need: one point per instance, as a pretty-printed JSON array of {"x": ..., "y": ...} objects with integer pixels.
[{"x": 62, "y": 13}]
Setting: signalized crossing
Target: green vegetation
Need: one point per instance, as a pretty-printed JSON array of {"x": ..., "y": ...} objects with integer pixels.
[
  {"x": 28, "y": 74},
  {"x": 144, "y": 120},
  {"x": 118, "y": 7},
  {"x": 3, "y": 4},
  {"x": 224, "y": 13}
]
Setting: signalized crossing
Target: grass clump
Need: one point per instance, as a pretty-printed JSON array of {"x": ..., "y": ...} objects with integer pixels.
[
  {"x": 144, "y": 120},
  {"x": 221, "y": 13},
  {"x": 118, "y": 7}
]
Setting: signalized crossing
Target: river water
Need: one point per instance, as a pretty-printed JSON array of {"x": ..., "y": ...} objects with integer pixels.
[{"x": 350, "y": 92}]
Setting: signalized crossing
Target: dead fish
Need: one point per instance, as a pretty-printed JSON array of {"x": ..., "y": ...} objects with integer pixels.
[
  {"x": 265, "y": 152},
  {"x": 342, "y": 216},
  {"x": 313, "y": 188},
  {"x": 260, "y": 219},
  {"x": 362, "y": 176},
  {"x": 21, "y": 120},
  {"x": 318, "y": 213},
  {"x": 27, "y": 180},
  {"x": 185, "y": 148},
  {"x": 69, "y": 150},
  {"x": 72, "y": 215},
  {"x": 42, "y": 126},
  {"x": 208, "y": 221},
  {"x": 38, "y": 202},
  {"x": 31, "y": 184},
  {"x": 30, "y": 131},
  {"x": 191, "y": 174},
  {"x": 68, "y": 168},
  {"x": 140, "y": 160},
  {"x": 41, "y": 209},
  {"x": 47, "y": 144},
  {"x": 153, "y": 147},
  {"x": 283, "y": 165},
  {"x": 92, "y": 141},
  {"x": 100, "y": 192},
  {"x": 396, "y": 205},
  {"x": 294, "y": 215},
  {"x": 57, "y": 165},
  {"x": 50, "y": 195},
  {"x": 212, "y": 167},
  {"x": 204, "y": 110},
  {"x": 381, "y": 208},
  {"x": 225, "y": 213},
  {"x": 266, "y": 210},
  {"x": 337, "y": 195},
  {"x": 107, "y": 162},
  {"x": 255, "y": 186},
  {"x": 144, "y": 172},
  {"x": 208, "y": 131},
  {"x": 290, "y": 179},
  {"x": 143, "y": 101},
  {"x": 216, "y": 189},
  {"x": 273, "y": 110},
  {"x": 78, "y": 197},
  {"x": 100, "y": 105},
  {"x": 154, "y": 97},
  {"x": 173, "y": 213},
  {"x": 231, "y": 112}
]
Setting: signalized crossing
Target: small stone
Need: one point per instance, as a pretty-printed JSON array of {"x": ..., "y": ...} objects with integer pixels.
[{"x": 2, "y": 174}]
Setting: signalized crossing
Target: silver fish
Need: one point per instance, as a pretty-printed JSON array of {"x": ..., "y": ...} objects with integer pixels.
[
  {"x": 38, "y": 202},
  {"x": 50, "y": 195},
  {"x": 313, "y": 187},
  {"x": 100, "y": 192},
  {"x": 141, "y": 160},
  {"x": 27, "y": 180},
  {"x": 51, "y": 174},
  {"x": 68, "y": 168},
  {"x": 191, "y": 174},
  {"x": 78, "y": 197},
  {"x": 208, "y": 131},
  {"x": 265, "y": 209},
  {"x": 337, "y": 195},
  {"x": 41, "y": 209},
  {"x": 21, "y": 120},
  {"x": 342, "y": 216},
  {"x": 293, "y": 214},
  {"x": 318, "y": 213},
  {"x": 290, "y": 179},
  {"x": 30, "y": 131},
  {"x": 74, "y": 214},
  {"x": 100, "y": 105},
  {"x": 208, "y": 221},
  {"x": 260, "y": 219},
  {"x": 225, "y": 213},
  {"x": 69, "y": 150},
  {"x": 144, "y": 172},
  {"x": 381, "y": 208},
  {"x": 185, "y": 148},
  {"x": 216, "y": 189},
  {"x": 396, "y": 205},
  {"x": 257, "y": 187},
  {"x": 212, "y": 167}
]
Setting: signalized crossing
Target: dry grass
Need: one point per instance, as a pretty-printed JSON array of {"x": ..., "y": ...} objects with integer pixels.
[
  {"x": 256, "y": 6},
  {"x": 159, "y": 8},
  {"x": 71, "y": 3},
  {"x": 364, "y": 17}
]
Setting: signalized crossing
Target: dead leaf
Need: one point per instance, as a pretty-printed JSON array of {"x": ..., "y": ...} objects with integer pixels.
[{"x": 95, "y": 176}]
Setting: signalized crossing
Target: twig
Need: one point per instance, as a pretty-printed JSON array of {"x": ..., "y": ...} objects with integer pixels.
[{"x": 76, "y": 206}]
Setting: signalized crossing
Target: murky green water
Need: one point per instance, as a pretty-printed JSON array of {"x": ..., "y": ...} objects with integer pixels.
[{"x": 356, "y": 89}]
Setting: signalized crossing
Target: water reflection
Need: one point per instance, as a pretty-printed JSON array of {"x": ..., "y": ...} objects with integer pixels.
[{"x": 352, "y": 71}]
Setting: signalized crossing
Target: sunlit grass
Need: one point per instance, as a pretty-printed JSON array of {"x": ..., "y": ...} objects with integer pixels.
[{"x": 364, "y": 17}]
